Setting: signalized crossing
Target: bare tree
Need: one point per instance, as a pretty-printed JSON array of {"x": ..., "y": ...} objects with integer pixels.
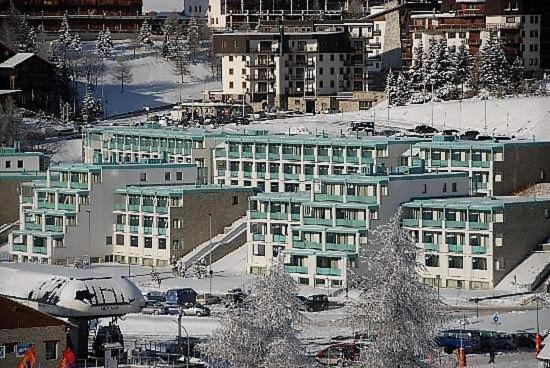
[
  {"x": 91, "y": 68},
  {"x": 122, "y": 73}
]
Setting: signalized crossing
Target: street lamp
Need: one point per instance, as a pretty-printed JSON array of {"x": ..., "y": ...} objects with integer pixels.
[
  {"x": 180, "y": 326},
  {"x": 89, "y": 239},
  {"x": 210, "y": 272}
]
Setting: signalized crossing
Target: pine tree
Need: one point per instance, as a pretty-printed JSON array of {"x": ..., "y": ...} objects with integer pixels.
[
  {"x": 474, "y": 82},
  {"x": 91, "y": 105},
  {"x": 64, "y": 36},
  {"x": 399, "y": 311},
  {"x": 104, "y": 43},
  {"x": 402, "y": 93},
  {"x": 494, "y": 68},
  {"x": 516, "y": 76},
  {"x": 23, "y": 32},
  {"x": 145, "y": 34},
  {"x": 193, "y": 37},
  {"x": 30, "y": 42},
  {"x": 391, "y": 82},
  {"x": 262, "y": 335},
  {"x": 199, "y": 269},
  {"x": 417, "y": 72}
]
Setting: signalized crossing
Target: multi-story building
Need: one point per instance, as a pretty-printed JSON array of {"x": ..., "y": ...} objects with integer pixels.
[
  {"x": 322, "y": 233},
  {"x": 474, "y": 242},
  {"x": 494, "y": 168},
  {"x": 156, "y": 224},
  {"x": 310, "y": 66},
  {"x": 124, "y": 145},
  {"x": 70, "y": 214},
  {"x": 282, "y": 163}
]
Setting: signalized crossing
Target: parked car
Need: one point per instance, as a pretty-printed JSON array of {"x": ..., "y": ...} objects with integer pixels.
[
  {"x": 338, "y": 355},
  {"x": 181, "y": 296},
  {"x": 505, "y": 341},
  {"x": 314, "y": 303},
  {"x": 207, "y": 299},
  {"x": 195, "y": 310},
  {"x": 234, "y": 297},
  {"x": 362, "y": 126},
  {"x": 155, "y": 308},
  {"x": 155, "y": 297},
  {"x": 451, "y": 340},
  {"x": 526, "y": 340}
]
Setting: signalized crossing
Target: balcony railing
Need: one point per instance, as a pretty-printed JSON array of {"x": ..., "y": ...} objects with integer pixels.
[
  {"x": 455, "y": 248},
  {"x": 255, "y": 215},
  {"x": 278, "y": 238},
  {"x": 161, "y": 231},
  {"x": 410, "y": 222},
  {"x": 341, "y": 247},
  {"x": 40, "y": 250},
  {"x": 329, "y": 271},
  {"x": 361, "y": 199},
  {"x": 450, "y": 224},
  {"x": 120, "y": 227},
  {"x": 317, "y": 221},
  {"x": 351, "y": 223},
  {"x": 329, "y": 197},
  {"x": 431, "y": 247},
  {"x": 19, "y": 247},
  {"x": 478, "y": 249},
  {"x": 484, "y": 164},
  {"x": 478, "y": 225},
  {"x": 33, "y": 226},
  {"x": 278, "y": 215},
  {"x": 258, "y": 237},
  {"x": 432, "y": 223},
  {"x": 296, "y": 269}
]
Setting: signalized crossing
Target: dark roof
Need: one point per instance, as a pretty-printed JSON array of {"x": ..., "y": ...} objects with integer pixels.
[{"x": 14, "y": 315}]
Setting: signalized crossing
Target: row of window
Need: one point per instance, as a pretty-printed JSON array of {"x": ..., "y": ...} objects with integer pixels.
[{"x": 456, "y": 262}]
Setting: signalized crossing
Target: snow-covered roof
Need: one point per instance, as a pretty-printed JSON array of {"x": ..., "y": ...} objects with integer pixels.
[{"x": 16, "y": 60}]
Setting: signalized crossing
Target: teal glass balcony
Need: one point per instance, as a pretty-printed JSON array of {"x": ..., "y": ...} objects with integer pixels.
[
  {"x": 233, "y": 174},
  {"x": 313, "y": 245},
  {"x": 296, "y": 243},
  {"x": 234, "y": 154},
  {"x": 260, "y": 174},
  {"x": 134, "y": 229},
  {"x": 291, "y": 157},
  {"x": 309, "y": 177},
  {"x": 328, "y": 197},
  {"x": 431, "y": 247},
  {"x": 33, "y": 226},
  {"x": 480, "y": 185},
  {"x": 148, "y": 209},
  {"x": 66, "y": 206},
  {"x": 27, "y": 199},
  {"x": 278, "y": 215},
  {"x": 295, "y": 216},
  {"x": 478, "y": 225},
  {"x": 221, "y": 172},
  {"x": 309, "y": 158},
  {"x": 77, "y": 185},
  {"x": 457, "y": 163},
  {"x": 410, "y": 222},
  {"x": 40, "y": 250},
  {"x": 274, "y": 175},
  {"x": 440, "y": 163},
  {"x": 247, "y": 154},
  {"x": 341, "y": 247},
  {"x": 478, "y": 249},
  {"x": 221, "y": 152},
  {"x": 323, "y": 158},
  {"x": 483, "y": 164},
  {"x": 161, "y": 231},
  {"x": 19, "y": 247},
  {"x": 329, "y": 271},
  {"x": 296, "y": 269},
  {"x": 455, "y": 248},
  {"x": 46, "y": 205},
  {"x": 274, "y": 156},
  {"x": 247, "y": 174},
  {"x": 258, "y": 237},
  {"x": 278, "y": 238},
  {"x": 339, "y": 159},
  {"x": 120, "y": 228},
  {"x": 133, "y": 207},
  {"x": 260, "y": 155},
  {"x": 455, "y": 224},
  {"x": 162, "y": 210},
  {"x": 352, "y": 159},
  {"x": 255, "y": 215},
  {"x": 54, "y": 228},
  {"x": 58, "y": 184},
  {"x": 367, "y": 160},
  {"x": 351, "y": 223},
  {"x": 361, "y": 199},
  {"x": 317, "y": 221},
  {"x": 291, "y": 176},
  {"x": 432, "y": 223}
]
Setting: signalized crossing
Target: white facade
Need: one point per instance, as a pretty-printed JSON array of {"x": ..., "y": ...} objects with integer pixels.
[{"x": 14, "y": 162}]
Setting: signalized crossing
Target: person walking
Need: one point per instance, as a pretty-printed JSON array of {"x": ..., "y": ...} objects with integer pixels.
[{"x": 492, "y": 354}]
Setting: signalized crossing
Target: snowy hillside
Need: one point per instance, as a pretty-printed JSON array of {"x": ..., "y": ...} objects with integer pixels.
[
  {"x": 162, "y": 5},
  {"x": 154, "y": 82}
]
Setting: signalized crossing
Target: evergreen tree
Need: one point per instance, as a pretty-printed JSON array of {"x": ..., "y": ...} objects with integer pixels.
[
  {"x": 193, "y": 37},
  {"x": 91, "y": 105},
  {"x": 399, "y": 311},
  {"x": 440, "y": 68},
  {"x": 104, "y": 43},
  {"x": 402, "y": 93},
  {"x": 417, "y": 72},
  {"x": 30, "y": 42},
  {"x": 199, "y": 269},
  {"x": 64, "y": 36},
  {"x": 391, "y": 84},
  {"x": 474, "y": 81},
  {"x": 516, "y": 75},
  {"x": 145, "y": 34},
  {"x": 462, "y": 61},
  {"x": 494, "y": 68},
  {"x": 23, "y": 33}
]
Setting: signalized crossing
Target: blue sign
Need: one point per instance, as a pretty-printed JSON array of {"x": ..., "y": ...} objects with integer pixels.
[
  {"x": 21, "y": 349},
  {"x": 496, "y": 318}
]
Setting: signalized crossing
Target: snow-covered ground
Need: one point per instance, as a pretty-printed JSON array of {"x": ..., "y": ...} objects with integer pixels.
[{"x": 154, "y": 82}]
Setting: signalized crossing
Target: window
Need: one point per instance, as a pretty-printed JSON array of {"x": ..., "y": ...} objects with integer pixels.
[
  {"x": 453, "y": 187},
  {"x": 176, "y": 223},
  {"x": 331, "y": 57},
  {"x": 51, "y": 350},
  {"x": 230, "y": 71},
  {"x": 109, "y": 240},
  {"x": 455, "y": 262},
  {"x": 142, "y": 177},
  {"x": 8, "y": 164},
  {"x": 230, "y": 84},
  {"x": 119, "y": 239},
  {"x": 432, "y": 260},
  {"x": 320, "y": 71},
  {"x": 19, "y": 164},
  {"x": 259, "y": 250},
  {"x": 230, "y": 57},
  {"x": 134, "y": 242},
  {"x": 479, "y": 263},
  {"x": 179, "y": 176},
  {"x": 424, "y": 188},
  {"x": 321, "y": 57},
  {"x": 274, "y": 187},
  {"x": 444, "y": 187},
  {"x": 547, "y": 214},
  {"x": 148, "y": 242},
  {"x": 243, "y": 85},
  {"x": 243, "y": 58},
  {"x": 162, "y": 243},
  {"x": 167, "y": 176},
  {"x": 176, "y": 244}
]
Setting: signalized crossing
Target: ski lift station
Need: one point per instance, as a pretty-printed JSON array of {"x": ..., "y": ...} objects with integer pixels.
[{"x": 76, "y": 294}]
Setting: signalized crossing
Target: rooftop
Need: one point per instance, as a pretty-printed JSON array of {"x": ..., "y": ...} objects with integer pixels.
[
  {"x": 351, "y": 141},
  {"x": 12, "y": 151},
  {"x": 384, "y": 178},
  {"x": 151, "y": 164},
  {"x": 179, "y": 190},
  {"x": 16, "y": 59},
  {"x": 283, "y": 197},
  {"x": 438, "y": 142},
  {"x": 478, "y": 202}
]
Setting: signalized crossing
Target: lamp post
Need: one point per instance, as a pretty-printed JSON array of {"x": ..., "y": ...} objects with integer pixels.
[
  {"x": 89, "y": 239},
  {"x": 180, "y": 326},
  {"x": 210, "y": 272}
]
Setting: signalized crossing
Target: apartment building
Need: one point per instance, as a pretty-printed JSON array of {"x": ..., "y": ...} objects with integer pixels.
[
  {"x": 284, "y": 163},
  {"x": 308, "y": 67},
  {"x": 131, "y": 145},
  {"x": 495, "y": 168},
  {"x": 322, "y": 233},
  {"x": 473, "y": 242},
  {"x": 70, "y": 214},
  {"x": 155, "y": 224}
]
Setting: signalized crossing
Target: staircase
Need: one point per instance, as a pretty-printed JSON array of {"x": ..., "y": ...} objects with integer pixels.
[{"x": 222, "y": 244}]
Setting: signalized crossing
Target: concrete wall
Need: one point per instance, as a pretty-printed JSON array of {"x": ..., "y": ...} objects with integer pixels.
[
  {"x": 194, "y": 215},
  {"x": 9, "y": 205},
  {"x": 523, "y": 166},
  {"x": 524, "y": 229},
  {"x": 36, "y": 336},
  {"x": 29, "y": 162}
]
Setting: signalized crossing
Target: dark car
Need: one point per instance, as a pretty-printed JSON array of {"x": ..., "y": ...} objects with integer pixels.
[
  {"x": 181, "y": 296},
  {"x": 155, "y": 297},
  {"x": 234, "y": 297},
  {"x": 362, "y": 126},
  {"x": 424, "y": 129},
  {"x": 314, "y": 303},
  {"x": 339, "y": 355},
  {"x": 450, "y": 340},
  {"x": 469, "y": 135}
]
